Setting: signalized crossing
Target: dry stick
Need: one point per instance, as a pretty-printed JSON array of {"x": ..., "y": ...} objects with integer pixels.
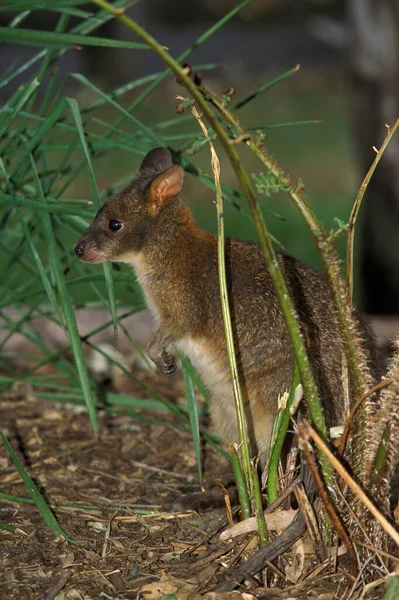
[
  {"x": 356, "y": 208},
  {"x": 377, "y": 551},
  {"x": 288, "y": 490},
  {"x": 277, "y": 521},
  {"x": 276, "y": 548},
  {"x": 293, "y": 328},
  {"x": 227, "y": 502},
  {"x": 335, "y": 520},
  {"x": 348, "y": 424},
  {"x": 308, "y": 513},
  {"x": 308, "y": 431}
]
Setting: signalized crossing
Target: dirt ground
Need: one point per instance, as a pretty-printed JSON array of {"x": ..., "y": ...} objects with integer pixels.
[{"x": 105, "y": 493}]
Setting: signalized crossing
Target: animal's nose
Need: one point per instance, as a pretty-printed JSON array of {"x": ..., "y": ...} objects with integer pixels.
[{"x": 79, "y": 249}]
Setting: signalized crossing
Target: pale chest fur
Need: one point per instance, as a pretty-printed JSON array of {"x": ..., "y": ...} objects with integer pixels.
[
  {"x": 216, "y": 377},
  {"x": 218, "y": 382},
  {"x": 204, "y": 362},
  {"x": 143, "y": 275}
]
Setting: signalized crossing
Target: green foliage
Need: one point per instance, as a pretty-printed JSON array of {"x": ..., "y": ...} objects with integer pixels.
[
  {"x": 37, "y": 498},
  {"x": 392, "y": 588},
  {"x": 268, "y": 184},
  {"x": 49, "y": 144}
]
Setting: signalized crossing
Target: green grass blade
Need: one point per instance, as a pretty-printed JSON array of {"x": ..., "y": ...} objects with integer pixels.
[
  {"x": 52, "y": 39},
  {"x": 392, "y": 592},
  {"x": 176, "y": 410},
  {"x": 131, "y": 85},
  {"x": 66, "y": 304},
  {"x": 198, "y": 42},
  {"x": 39, "y": 501},
  {"x": 8, "y": 527},
  {"x": 146, "y": 130},
  {"x": 15, "y": 326},
  {"x": 74, "y": 108},
  {"x": 19, "y": 18},
  {"x": 279, "y": 432},
  {"x": 84, "y": 28},
  {"x": 196, "y": 379},
  {"x": 33, "y": 336},
  {"x": 73, "y": 12},
  {"x": 47, "y": 124},
  {"x": 8, "y": 117},
  {"x": 13, "y": 5},
  {"x": 192, "y": 412},
  {"x": 265, "y": 88},
  {"x": 42, "y": 271},
  {"x": 77, "y": 118}
]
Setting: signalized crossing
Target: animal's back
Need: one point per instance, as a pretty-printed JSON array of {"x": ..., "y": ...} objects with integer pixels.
[{"x": 262, "y": 343}]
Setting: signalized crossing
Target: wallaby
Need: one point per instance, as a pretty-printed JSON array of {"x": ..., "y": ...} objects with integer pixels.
[{"x": 148, "y": 226}]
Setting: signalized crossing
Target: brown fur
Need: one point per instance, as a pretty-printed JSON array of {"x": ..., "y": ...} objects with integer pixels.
[{"x": 176, "y": 265}]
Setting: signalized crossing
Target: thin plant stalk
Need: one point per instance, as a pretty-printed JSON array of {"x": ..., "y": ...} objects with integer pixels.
[
  {"x": 332, "y": 513},
  {"x": 308, "y": 431},
  {"x": 356, "y": 208},
  {"x": 281, "y": 431},
  {"x": 224, "y": 298},
  {"x": 267, "y": 86},
  {"x": 258, "y": 505},
  {"x": 252, "y": 478},
  {"x": 243, "y": 497}
]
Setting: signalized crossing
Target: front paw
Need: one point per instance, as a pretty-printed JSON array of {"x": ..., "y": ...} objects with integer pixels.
[{"x": 167, "y": 364}]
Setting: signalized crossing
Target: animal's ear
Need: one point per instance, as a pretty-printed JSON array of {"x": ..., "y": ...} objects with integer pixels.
[
  {"x": 157, "y": 160},
  {"x": 164, "y": 188}
]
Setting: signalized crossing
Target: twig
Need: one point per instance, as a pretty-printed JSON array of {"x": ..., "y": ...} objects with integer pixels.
[
  {"x": 281, "y": 427},
  {"x": 308, "y": 431},
  {"x": 145, "y": 467},
  {"x": 276, "y": 521},
  {"x": 227, "y": 502},
  {"x": 336, "y": 522},
  {"x": 356, "y": 208},
  {"x": 311, "y": 522},
  {"x": 377, "y": 551},
  {"x": 276, "y": 548},
  {"x": 224, "y": 298}
]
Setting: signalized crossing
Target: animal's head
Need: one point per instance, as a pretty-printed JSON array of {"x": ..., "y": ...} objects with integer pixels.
[{"x": 125, "y": 221}]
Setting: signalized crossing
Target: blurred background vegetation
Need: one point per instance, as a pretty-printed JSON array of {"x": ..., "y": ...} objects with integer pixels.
[
  {"x": 314, "y": 120},
  {"x": 77, "y": 118},
  {"x": 307, "y": 116}
]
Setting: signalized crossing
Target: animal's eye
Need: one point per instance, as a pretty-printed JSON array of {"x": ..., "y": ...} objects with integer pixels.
[{"x": 115, "y": 225}]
